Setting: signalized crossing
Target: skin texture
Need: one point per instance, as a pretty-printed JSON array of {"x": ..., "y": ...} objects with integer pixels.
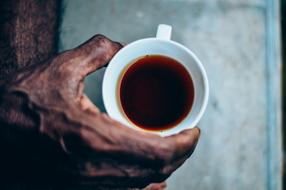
[
  {"x": 52, "y": 134},
  {"x": 28, "y": 33}
]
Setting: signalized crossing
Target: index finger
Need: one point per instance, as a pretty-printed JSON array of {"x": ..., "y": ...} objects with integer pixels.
[{"x": 89, "y": 56}]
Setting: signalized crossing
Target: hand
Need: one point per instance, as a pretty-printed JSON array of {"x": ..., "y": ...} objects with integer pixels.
[{"x": 52, "y": 134}]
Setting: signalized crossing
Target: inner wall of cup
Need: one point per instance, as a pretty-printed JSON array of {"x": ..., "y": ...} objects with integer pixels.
[
  {"x": 149, "y": 47},
  {"x": 119, "y": 103},
  {"x": 118, "y": 92}
]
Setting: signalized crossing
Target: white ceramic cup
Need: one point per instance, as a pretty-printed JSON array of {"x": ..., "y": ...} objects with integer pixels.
[{"x": 161, "y": 45}]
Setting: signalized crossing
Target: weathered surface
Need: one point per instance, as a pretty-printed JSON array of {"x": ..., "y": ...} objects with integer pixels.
[{"x": 240, "y": 145}]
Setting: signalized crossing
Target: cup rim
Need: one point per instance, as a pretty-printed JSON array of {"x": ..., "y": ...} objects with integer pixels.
[{"x": 197, "y": 61}]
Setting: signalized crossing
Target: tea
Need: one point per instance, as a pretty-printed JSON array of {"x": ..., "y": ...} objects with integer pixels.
[{"x": 156, "y": 92}]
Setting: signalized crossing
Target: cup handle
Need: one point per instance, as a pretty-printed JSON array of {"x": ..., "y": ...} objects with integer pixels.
[{"x": 164, "y": 32}]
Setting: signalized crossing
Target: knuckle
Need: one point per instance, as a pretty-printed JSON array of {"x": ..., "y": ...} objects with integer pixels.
[
  {"x": 101, "y": 39},
  {"x": 82, "y": 134},
  {"x": 99, "y": 36},
  {"x": 106, "y": 42},
  {"x": 166, "y": 171}
]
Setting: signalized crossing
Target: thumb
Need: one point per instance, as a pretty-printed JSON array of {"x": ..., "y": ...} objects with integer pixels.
[
  {"x": 90, "y": 56},
  {"x": 185, "y": 142}
]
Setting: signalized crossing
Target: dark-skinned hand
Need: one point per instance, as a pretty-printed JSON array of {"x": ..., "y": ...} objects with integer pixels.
[{"x": 50, "y": 132}]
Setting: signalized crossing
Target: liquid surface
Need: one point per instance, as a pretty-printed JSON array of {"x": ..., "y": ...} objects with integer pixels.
[{"x": 156, "y": 92}]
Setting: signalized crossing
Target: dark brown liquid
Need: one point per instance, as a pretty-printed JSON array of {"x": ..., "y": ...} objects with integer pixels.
[{"x": 156, "y": 92}]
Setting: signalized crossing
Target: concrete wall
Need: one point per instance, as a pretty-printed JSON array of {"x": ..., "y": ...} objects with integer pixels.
[{"x": 238, "y": 43}]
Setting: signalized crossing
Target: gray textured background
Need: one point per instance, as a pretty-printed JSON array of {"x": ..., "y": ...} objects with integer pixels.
[{"x": 240, "y": 146}]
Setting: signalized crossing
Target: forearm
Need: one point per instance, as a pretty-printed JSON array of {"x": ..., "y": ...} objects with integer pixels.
[
  {"x": 28, "y": 31},
  {"x": 28, "y": 34}
]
